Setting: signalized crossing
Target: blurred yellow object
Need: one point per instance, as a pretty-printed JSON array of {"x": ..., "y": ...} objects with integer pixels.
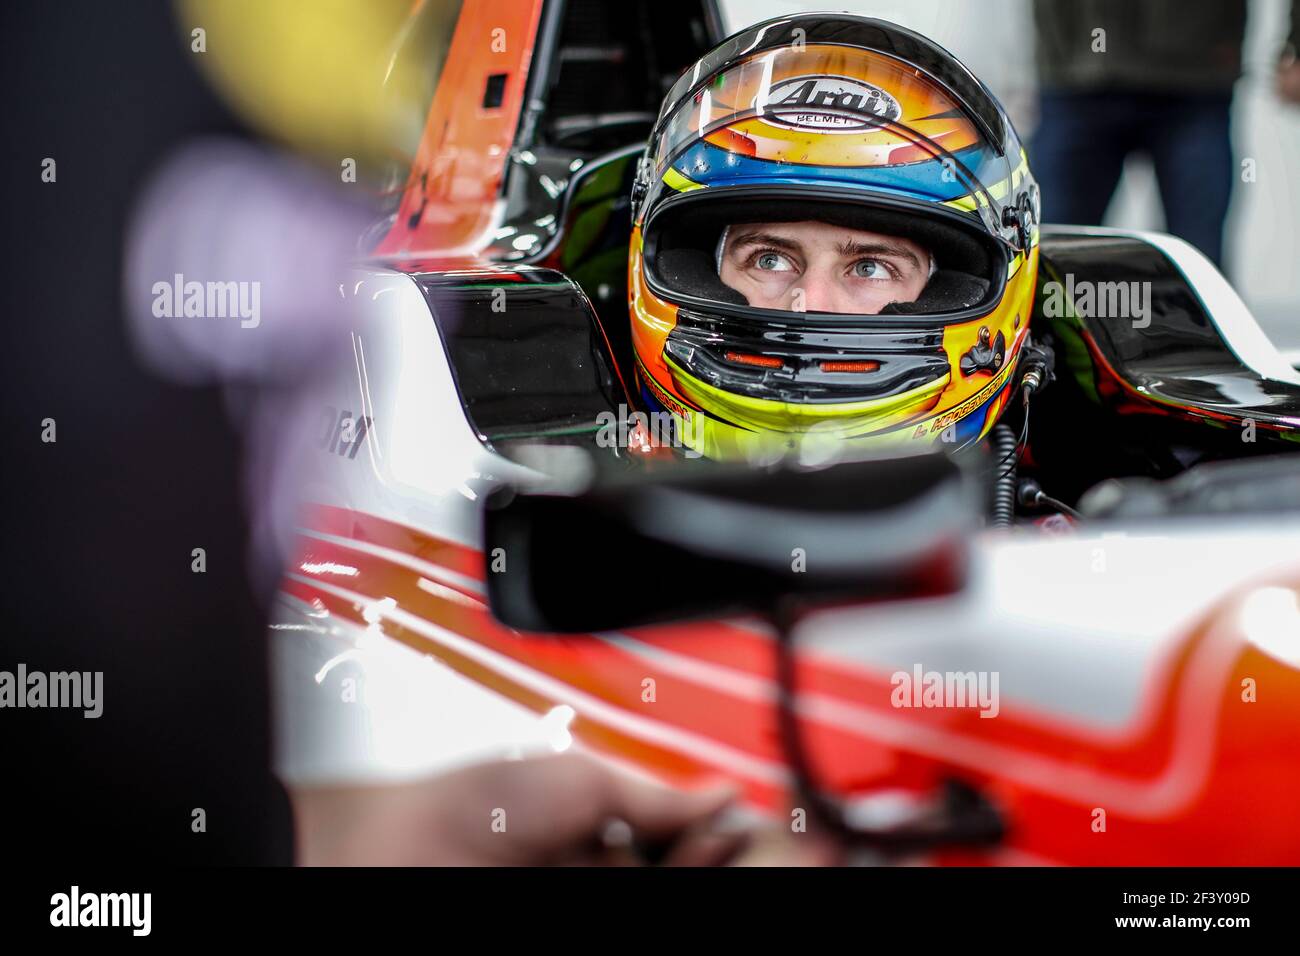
[{"x": 322, "y": 76}]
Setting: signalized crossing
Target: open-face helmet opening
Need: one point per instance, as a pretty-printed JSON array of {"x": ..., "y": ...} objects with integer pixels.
[{"x": 681, "y": 244}]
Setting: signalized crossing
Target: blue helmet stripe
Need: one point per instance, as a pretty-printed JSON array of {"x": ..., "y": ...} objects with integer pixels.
[{"x": 705, "y": 163}]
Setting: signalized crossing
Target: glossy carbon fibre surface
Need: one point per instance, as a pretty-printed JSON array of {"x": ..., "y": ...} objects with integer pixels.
[
  {"x": 528, "y": 354},
  {"x": 1175, "y": 360},
  {"x": 1193, "y": 380}
]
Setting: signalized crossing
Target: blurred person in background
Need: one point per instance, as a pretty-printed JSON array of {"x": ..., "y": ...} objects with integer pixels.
[
  {"x": 161, "y": 439},
  {"x": 1157, "y": 76}
]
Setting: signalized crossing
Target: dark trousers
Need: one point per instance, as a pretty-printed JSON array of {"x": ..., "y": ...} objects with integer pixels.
[{"x": 1082, "y": 140}]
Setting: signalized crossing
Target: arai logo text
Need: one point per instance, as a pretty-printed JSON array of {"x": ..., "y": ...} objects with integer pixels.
[{"x": 827, "y": 104}]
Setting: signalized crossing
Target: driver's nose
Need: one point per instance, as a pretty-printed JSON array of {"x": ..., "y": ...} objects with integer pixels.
[{"x": 815, "y": 293}]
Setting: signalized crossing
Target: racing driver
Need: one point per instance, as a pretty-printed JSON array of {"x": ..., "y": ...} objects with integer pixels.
[{"x": 835, "y": 235}]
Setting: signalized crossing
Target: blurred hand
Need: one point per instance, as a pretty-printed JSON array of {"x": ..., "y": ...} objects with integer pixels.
[
  {"x": 1288, "y": 80},
  {"x": 544, "y": 810}
]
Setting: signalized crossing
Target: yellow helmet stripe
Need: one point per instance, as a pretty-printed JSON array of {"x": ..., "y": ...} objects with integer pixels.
[
  {"x": 968, "y": 202},
  {"x": 677, "y": 181}
]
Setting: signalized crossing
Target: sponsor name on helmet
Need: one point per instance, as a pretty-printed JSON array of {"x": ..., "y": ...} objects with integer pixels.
[
  {"x": 827, "y": 104},
  {"x": 940, "y": 422}
]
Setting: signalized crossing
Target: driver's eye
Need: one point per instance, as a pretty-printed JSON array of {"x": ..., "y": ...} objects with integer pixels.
[
  {"x": 871, "y": 269},
  {"x": 772, "y": 262}
]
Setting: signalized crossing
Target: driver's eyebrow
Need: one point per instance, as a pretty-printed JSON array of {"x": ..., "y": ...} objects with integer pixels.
[
  {"x": 766, "y": 239},
  {"x": 851, "y": 247}
]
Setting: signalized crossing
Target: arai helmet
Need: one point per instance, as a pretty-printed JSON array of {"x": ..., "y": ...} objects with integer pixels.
[{"x": 850, "y": 122}]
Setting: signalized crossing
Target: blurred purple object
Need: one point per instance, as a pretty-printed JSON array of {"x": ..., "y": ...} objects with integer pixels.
[{"x": 234, "y": 266}]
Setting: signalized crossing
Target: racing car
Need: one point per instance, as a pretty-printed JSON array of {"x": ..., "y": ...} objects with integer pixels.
[{"x": 943, "y": 678}]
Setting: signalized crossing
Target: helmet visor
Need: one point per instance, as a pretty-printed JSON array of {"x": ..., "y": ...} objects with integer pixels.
[
  {"x": 795, "y": 35},
  {"x": 833, "y": 107}
]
